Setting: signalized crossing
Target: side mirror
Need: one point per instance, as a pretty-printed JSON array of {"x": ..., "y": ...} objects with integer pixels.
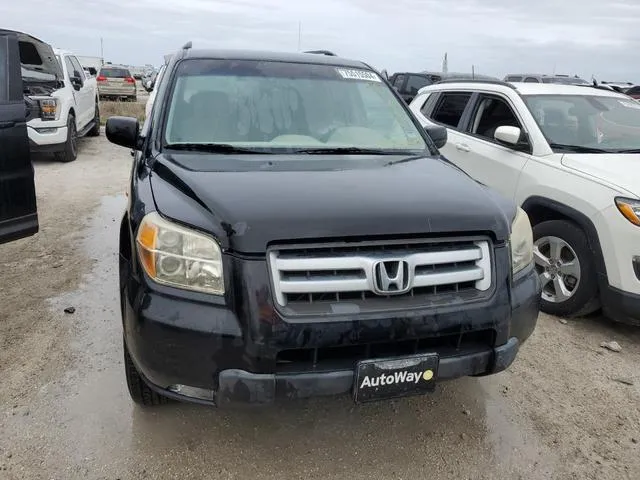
[
  {"x": 76, "y": 82},
  {"x": 512, "y": 137},
  {"x": 438, "y": 134},
  {"x": 123, "y": 131},
  {"x": 508, "y": 135}
]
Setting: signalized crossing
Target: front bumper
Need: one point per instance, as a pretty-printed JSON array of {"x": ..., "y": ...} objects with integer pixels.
[
  {"x": 46, "y": 138},
  {"x": 240, "y": 387},
  {"x": 181, "y": 339},
  {"x": 620, "y": 306}
]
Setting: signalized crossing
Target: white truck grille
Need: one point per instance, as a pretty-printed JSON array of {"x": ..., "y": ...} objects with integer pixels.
[{"x": 369, "y": 271}]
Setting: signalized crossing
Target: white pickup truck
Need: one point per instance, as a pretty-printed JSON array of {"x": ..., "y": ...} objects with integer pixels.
[{"x": 64, "y": 99}]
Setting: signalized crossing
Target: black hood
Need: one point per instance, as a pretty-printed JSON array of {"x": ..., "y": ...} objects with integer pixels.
[{"x": 247, "y": 210}]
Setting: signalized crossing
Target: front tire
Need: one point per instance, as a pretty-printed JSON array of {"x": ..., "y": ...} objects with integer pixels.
[
  {"x": 138, "y": 389},
  {"x": 566, "y": 269},
  {"x": 70, "y": 152}
]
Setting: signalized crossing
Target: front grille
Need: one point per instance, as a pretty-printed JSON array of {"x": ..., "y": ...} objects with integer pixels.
[
  {"x": 346, "y": 357},
  {"x": 379, "y": 276}
]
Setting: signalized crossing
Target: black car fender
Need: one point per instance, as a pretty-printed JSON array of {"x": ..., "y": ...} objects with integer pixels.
[{"x": 541, "y": 209}]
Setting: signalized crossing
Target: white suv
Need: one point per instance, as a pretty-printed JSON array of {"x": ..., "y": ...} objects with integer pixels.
[{"x": 570, "y": 156}]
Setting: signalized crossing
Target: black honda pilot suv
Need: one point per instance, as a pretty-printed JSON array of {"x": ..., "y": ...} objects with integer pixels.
[{"x": 292, "y": 231}]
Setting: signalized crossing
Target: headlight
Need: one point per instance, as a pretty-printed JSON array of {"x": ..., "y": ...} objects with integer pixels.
[
  {"x": 180, "y": 257},
  {"x": 521, "y": 242},
  {"x": 49, "y": 109},
  {"x": 630, "y": 209}
]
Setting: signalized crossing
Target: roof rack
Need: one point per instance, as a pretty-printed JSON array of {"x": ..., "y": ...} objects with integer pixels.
[
  {"x": 322, "y": 52},
  {"x": 475, "y": 80}
]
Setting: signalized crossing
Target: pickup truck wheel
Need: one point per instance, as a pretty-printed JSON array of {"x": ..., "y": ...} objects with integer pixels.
[
  {"x": 138, "y": 389},
  {"x": 566, "y": 268},
  {"x": 95, "y": 131},
  {"x": 70, "y": 152}
]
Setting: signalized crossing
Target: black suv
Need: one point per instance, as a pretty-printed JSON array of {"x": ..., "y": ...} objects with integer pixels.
[
  {"x": 292, "y": 231},
  {"x": 408, "y": 84},
  {"x": 18, "y": 212}
]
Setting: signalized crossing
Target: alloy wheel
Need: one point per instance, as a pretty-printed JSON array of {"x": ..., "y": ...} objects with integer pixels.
[{"x": 558, "y": 267}]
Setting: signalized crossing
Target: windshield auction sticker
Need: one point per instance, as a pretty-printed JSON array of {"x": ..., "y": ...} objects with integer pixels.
[{"x": 353, "y": 74}]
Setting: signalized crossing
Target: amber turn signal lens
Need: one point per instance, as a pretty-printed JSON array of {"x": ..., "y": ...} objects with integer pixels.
[
  {"x": 147, "y": 239},
  {"x": 630, "y": 209}
]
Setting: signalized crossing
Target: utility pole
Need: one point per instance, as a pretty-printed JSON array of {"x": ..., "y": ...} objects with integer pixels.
[
  {"x": 102, "y": 49},
  {"x": 473, "y": 72},
  {"x": 299, "y": 34}
]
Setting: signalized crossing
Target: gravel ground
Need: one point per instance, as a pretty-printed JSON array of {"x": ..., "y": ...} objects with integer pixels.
[{"x": 561, "y": 411}]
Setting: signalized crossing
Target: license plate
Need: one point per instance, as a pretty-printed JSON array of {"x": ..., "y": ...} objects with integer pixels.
[{"x": 382, "y": 379}]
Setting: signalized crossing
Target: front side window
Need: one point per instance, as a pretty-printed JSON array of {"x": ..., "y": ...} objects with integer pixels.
[
  {"x": 492, "y": 112},
  {"x": 531, "y": 80},
  {"x": 277, "y": 105},
  {"x": 514, "y": 78},
  {"x": 77, "y": 68},
  {"x": 69, "y": 65},
  {"x": 589, "y": 123},
  {"x": 450, "y": 108}
]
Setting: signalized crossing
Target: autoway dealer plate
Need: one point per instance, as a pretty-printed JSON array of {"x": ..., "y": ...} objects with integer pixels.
[{"x": 391, "y": 378}]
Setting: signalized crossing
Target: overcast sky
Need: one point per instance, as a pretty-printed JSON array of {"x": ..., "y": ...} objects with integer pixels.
[{"x": 585, "y": 37}]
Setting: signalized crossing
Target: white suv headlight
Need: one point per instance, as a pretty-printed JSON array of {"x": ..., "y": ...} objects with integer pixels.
[
  {"x": 521, "y": 242},
  {"x": 178, "y": 256}
]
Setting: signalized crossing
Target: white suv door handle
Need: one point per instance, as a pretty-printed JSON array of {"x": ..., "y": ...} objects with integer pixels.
[{"x": 463, "y": 147}]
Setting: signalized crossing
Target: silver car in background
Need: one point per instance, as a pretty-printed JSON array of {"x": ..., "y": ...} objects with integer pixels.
[{"x": 115, "y": 83}]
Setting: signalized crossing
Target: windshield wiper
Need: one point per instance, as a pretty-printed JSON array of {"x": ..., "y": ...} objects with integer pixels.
[
  {"x": 577, "y": 148},
  {"x": 629, "y": 150},
  {"x": 344, "y": 151},
  {"x": 213, "y": 148},
  {"x": 404, "y": 160}
]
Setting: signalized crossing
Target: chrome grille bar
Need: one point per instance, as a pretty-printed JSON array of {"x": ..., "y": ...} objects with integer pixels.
[{"x": 336, "y": 270}]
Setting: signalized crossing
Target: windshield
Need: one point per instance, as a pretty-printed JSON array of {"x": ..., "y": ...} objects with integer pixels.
[
  {"x": 272, "y": 106},
  {"x": 602, "y": 123}
]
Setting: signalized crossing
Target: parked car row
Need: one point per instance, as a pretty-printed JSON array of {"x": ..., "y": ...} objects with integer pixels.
[{"x": 363, "y": 262}]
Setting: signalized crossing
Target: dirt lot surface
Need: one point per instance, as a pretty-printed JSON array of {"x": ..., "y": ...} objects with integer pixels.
[{"x": 562, "y": 410}]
